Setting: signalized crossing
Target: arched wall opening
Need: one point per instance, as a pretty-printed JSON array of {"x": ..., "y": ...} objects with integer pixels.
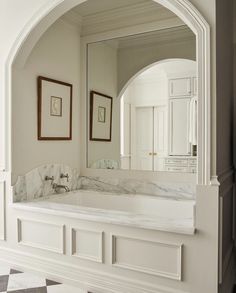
[
  {"x": 148, "y": 91},
  {"x": 185, "y": 10},
  {"x": 121, "y": 93}
]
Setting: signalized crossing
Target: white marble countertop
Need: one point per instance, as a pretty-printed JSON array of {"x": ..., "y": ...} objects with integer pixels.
[{"x": 182, "y": 225}]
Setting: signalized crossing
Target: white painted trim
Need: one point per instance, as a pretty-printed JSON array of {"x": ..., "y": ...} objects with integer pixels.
[
  {"x": 34, "y": 245},
  {"x": 140, "y": 269},
  {"x": 88, "y": 279},
  {"x": 100, "y": 258}
]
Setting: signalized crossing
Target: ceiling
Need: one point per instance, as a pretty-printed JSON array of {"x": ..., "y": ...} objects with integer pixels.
[
  {"x": 96, "y": 6},
  {"x": 182, "y": 33},
  {"x": 96, "y": 16}
]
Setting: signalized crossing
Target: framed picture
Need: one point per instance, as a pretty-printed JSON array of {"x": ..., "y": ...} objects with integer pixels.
[
  {"x": 54, "y": 109},
  {"x": 100, "y": 117}
]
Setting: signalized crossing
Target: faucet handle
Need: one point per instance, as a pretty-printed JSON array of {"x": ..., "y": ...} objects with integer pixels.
[
  {"x": 65, "y": 176},
  {"x": 47, "y": 178}
]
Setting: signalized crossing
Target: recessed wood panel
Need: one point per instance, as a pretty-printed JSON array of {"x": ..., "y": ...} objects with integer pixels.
[
  {"x": 154, "y": 258},
  {"x": 87, "y": 244},
  {"x": 43, "y": 235}
]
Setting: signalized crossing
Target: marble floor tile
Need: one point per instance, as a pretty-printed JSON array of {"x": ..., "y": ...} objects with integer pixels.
[
  {"x": 15, "y": 281},
  {"x": 3, "y": 283},
  {"x": 4, "y": 269},
  {"x": 24, "y": 281},
  {"x": 63, "y": 289},
  {"x": 31, "y": 290}
]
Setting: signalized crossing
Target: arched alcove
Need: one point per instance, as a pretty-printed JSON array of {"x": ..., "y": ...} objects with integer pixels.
[{"x": 183, "y": 9}]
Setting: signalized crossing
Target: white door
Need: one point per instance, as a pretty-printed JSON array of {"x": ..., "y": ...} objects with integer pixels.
[
  {"x": 179, "y": 127},
  {"x": 160, "y": 137},
  {"x": 180, "y": 87},
  {"x": 142, "y": 139}
]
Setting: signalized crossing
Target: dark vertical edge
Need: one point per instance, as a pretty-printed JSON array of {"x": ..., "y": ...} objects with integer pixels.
[
  {"x": 71, "y": 107},
  {"x": 91, "y": 116},
  {"x": 39, "y": 112}
]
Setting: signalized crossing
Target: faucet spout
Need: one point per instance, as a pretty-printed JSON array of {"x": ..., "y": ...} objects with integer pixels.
[{"x": 57, "y": 187}]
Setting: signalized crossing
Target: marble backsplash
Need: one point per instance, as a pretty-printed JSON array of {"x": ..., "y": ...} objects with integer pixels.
[
  {"x": 33, "y": 185},
  {"x": 177, "y": 190}
]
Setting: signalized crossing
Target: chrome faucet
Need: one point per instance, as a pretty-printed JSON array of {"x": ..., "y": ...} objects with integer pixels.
[
  {"x": 47, "y": 178},
  {"x": 65, "y": 176},
  {"x": 57, "y": 187}
]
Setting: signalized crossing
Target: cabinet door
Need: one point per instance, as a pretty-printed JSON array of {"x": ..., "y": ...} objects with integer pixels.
[
  {"x": 180, "y": 87},
  {"x": 179, "y": 127}
]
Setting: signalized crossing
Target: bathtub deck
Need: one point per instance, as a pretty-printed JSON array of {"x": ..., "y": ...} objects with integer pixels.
[{"x": 183, "y": 223}]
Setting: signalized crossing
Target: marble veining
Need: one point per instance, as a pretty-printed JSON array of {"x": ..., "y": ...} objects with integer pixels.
[
  {"x": 33, "y": 185},
  {"x": 132, "y": 186},
  {"x": 181, "y": 222}
]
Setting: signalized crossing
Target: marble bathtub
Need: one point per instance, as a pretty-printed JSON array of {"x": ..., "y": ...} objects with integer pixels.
[{"x": 135, "y": 210}]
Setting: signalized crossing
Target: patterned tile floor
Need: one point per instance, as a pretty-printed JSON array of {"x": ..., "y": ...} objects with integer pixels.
[{"x": 13, "y": 281}]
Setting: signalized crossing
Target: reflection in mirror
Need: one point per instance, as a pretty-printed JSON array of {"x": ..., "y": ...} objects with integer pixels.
[
  {"x": 158, "y": 118},
  {"x": 145, "y": 102}
]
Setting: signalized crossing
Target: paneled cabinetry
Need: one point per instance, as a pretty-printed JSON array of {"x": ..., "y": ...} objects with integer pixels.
[
  {"x": 179, "y": 164},
  {"x": 181, "y": 94},
  {"x": 179, "y": 127},
  {"x": 180, "y": 87}
]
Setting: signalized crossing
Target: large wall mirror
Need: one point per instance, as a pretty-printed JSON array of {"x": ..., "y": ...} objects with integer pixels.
[{"x": 142, "y": 93}]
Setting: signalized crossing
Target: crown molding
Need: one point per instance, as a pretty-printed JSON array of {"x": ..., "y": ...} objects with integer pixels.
[
  {"x": 73, "y": 19},
  {"x": 133, "y": 23},
  {"x": 118, "y": 18},
  {"x": 126, "y": 12}
]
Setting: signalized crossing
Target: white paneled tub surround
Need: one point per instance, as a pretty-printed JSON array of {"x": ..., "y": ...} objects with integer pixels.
[{"x": 140, "y": 211}]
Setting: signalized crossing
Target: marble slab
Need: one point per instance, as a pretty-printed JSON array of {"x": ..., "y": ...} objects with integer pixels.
[
  {"x": 33, "y": 184},
  {"x": 177, "y": 190},
  {"x": 182, "y": 224}
]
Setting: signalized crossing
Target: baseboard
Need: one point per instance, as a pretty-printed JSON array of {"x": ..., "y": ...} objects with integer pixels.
[{"x": 89, "y": 280}]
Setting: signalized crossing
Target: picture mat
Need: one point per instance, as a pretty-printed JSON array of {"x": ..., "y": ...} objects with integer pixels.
[
  {"x": 55, "y": 126},
  {"x": 101, "y": 130}
]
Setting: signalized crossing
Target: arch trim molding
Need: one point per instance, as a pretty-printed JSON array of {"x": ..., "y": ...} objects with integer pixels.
[{"x": 50, "y": 12}]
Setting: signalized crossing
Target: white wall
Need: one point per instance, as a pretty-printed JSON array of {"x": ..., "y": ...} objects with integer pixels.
[
  {"x": 56, "y": 56},
  {"x": 148, "y": 92},
  {"x": 102, "y": 77}
]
